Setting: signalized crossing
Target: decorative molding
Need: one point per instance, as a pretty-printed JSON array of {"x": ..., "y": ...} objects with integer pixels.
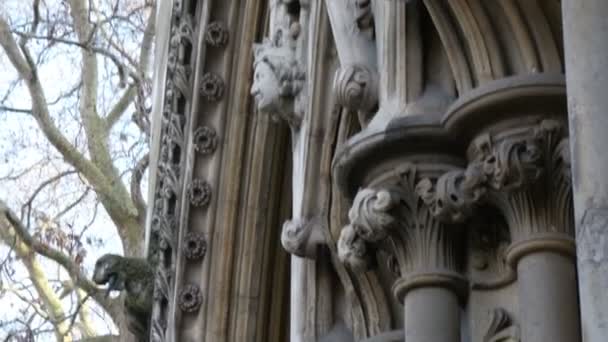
[
  {"x": 216, "y": 34},
  {"x": 190, "y": 298},
  {"x": 356, "y": 87},
  {"x": 199, "y": 193},
  {"x": 211, "y": 87},
  {"x": 195, "y": 246},
  {"x": 167, "y": 198},
  {"x": 205, "y": 140}
]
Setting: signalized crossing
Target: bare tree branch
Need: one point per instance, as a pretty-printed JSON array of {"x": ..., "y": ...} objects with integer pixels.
[
  {"x": 43, "y": 118},
  {"x": 136, "y": 177},
  {"x": 15, "y": 110},
  {"x": 28, "y": 204},
  {"x": 69, "y": 265}
]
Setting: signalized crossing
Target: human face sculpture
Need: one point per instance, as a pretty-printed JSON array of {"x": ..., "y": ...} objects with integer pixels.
[{"x": 265, "y": 88}]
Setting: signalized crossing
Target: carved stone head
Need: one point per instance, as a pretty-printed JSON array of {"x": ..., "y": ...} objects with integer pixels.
[
  {"x": 105, "y": 272},
  {"x": 277, "y": 79}
]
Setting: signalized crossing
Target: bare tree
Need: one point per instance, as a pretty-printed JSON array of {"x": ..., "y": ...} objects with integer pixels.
[{"x": 74, "y": 111}]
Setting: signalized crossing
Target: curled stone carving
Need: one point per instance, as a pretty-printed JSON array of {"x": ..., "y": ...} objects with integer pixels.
[
  {"x": 190, "y": 298},
  {"x": 510, "y": 162},
  {"x": 205, "y": 140},
  {"x": 199, "y": 193},
  {"x": 195, "y": 246},
  {"x": 369, "y": 214},
  {"x": 370, "y": 221},
  {"x": 212, "y": 87},
  {"x": 453, "y": 196},
  {"x": 352, "y": 250},
  {"x": 278, "y": 78},
  {"x": 216, "y": 34},
  {"x": 300, "y": 237},
  {"x": 356, "y": 87}
]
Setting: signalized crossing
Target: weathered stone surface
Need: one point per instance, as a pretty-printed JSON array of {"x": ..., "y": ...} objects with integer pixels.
[{"x": 587, "y": 79}]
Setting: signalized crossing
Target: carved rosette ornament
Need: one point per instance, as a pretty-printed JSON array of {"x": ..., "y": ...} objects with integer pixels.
[
  {"x": 216, "y": 34},
  {"x": 211, "y": 87},
  {"x": 356, "y": 87},
  {"x": 195, "y": 246},
  {"x": 205, "y": 140},
  {"x": 199, "y": 193},
  {"x": 190, "y": 298}
]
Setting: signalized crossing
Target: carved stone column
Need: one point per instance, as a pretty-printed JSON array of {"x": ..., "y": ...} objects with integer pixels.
[
  {"x": 519, "y": 162},
  {"x": 526, "y": 171},
  {"x": 424, "y": 253}
]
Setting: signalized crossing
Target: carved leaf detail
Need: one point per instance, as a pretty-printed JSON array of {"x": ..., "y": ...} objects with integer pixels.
[
  {"x": 369, "y": 214},
  {"x": 352, "y": 249},
  {"x": 501, "y": 328}
]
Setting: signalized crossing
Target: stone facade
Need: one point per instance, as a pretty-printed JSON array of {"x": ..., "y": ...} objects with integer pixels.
[{"x": 377, "y": 170}]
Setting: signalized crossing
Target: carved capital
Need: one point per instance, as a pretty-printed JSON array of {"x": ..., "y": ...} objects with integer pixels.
[
  {"x": 528, "y": 177},
  {"x": 395, "y": 218},
  {"x": 356, "y": 87}
]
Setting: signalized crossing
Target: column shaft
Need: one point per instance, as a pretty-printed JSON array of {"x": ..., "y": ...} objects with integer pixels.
[
  {"x": 432, "y": 314},
  {"x": 548, "y": 298},
  {"x": 586, "y": 53}
]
